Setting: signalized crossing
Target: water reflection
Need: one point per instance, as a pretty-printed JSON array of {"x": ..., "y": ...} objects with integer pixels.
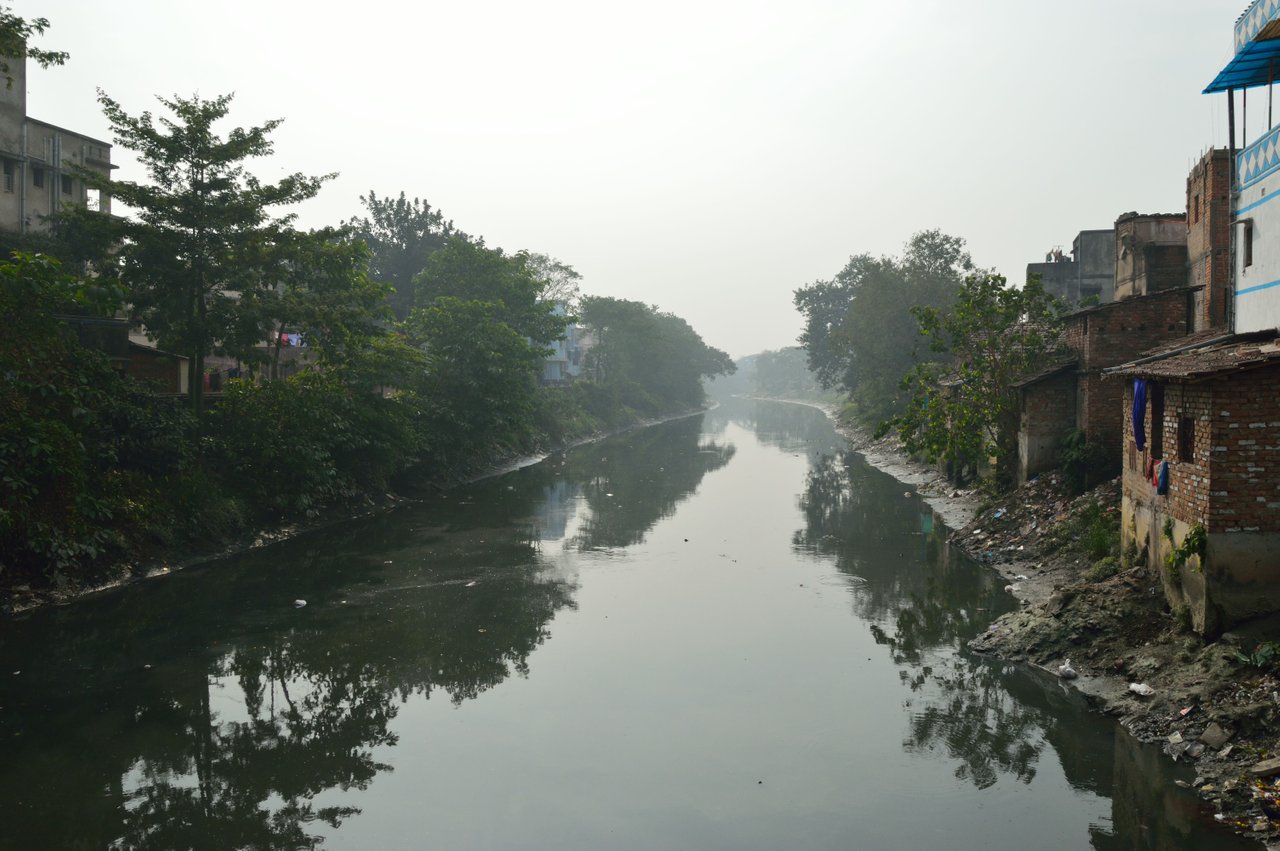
[
  {"x": 618, "y": 490},
  {"x": 923, "y": 601},
  {"x": 206, "y": 710}
]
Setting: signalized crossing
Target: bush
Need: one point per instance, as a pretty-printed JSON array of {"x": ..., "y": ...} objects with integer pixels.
[
  {"x": 1103, "y": 568},
  {"x": 1084, "y": 463}
]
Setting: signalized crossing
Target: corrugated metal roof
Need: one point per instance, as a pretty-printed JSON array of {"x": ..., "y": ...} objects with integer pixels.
[{"x": 1252, "y": 66}]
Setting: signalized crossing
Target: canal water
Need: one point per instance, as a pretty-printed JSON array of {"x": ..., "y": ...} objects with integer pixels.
[{"x": 723, "y": 632}]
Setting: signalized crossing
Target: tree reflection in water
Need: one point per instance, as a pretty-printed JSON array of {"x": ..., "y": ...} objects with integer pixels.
[
  {"x": 205, "y": 711},
  {"x": 922, "y": 604}
]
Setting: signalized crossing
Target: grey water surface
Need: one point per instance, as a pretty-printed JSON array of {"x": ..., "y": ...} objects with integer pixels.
[{"x": 723, "y": 632}]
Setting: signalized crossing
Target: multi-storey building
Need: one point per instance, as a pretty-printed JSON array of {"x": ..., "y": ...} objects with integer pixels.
[
  {"x": 36, "y": 160},
  {"x": 1090, "y": 274},
  {"x": 1209, "y": 237}
]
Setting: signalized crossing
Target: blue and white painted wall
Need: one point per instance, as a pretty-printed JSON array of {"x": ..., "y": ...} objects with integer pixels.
[{"x": 1257, "y": 235}]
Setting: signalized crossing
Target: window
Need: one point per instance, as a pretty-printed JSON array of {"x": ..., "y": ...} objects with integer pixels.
[
  {"x": 9, "y": 166},
  {"x": 37, "y": 177},
  {"x": 1248, "y": 244},
  {"x": 1187, "y": 440},
  {"x": 66, "y": 184}
]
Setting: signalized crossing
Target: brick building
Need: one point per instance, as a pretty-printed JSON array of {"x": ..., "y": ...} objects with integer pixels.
[
  {"x": 1209, "y": 236},
  {"x": 1211, "y": 414},
  {"x": 1095, "y": 338},
  {"x": 1211, "y": 408}
]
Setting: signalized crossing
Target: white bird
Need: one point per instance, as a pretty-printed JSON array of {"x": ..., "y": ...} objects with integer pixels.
[{"x": 1066, "y": 671}]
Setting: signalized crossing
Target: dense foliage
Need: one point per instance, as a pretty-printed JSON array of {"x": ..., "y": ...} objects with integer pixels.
[
  {"x": 422, "y": 358},
  {"x": 964, "y": 410},
  {"x": 860, "y": 333},
  {"x": 651, "y": 359}
]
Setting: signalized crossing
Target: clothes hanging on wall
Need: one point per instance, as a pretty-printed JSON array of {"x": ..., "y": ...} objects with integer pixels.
[{"x": 1140, "y": 413}]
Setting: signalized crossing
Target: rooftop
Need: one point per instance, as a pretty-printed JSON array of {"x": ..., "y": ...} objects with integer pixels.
[{"x": 1205, "y": 354}]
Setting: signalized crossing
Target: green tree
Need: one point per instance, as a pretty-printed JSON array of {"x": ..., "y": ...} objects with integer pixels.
[
  {"x": 965, "y": 409},
  {"x": 57, "y": 447},
  {"x": 559, "y": 281},
  {"x": 481, "y": 386},
  {"x": 468, "y": 270},
  {"x": 321, "y": 289},
  {"x": 199, "y": 248},
  {"x": 401, "y": 235},
  {"x": 859, "y": 330},
  {"x": 654, "y": 361},
  {"x": 16, "y": 33}
]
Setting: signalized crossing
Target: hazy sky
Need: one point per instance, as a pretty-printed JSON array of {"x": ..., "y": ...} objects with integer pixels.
[{"x": 706, "y": 157}]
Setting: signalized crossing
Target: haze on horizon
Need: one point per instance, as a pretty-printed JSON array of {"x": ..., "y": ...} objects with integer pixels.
[{"x": 708, "y": 158}]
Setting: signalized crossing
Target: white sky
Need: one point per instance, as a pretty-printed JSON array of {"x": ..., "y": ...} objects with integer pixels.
[{"x": 707, "y": 157}]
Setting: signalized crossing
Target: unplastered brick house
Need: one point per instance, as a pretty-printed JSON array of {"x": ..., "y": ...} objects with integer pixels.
[
  {"x": 1201, "y": 481},
  {"x": 1153, "y": 304}
]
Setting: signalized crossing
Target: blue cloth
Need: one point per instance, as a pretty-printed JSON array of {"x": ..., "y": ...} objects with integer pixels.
[
  {"x": 1140, "y": 413},
  {"x": 1162, "y": 487}
]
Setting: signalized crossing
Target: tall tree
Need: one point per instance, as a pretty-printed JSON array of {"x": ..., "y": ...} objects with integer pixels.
[
  {"x": 964, "y": 409},
  {"x": 654, "y": 360},
  {"x": 401, "y": 235},
  {"x": 559, "y": 280},
  {"x": 859, "y": 332},
  {"x": 202, "y": 236},
  {"x": 469, "y": 270}
]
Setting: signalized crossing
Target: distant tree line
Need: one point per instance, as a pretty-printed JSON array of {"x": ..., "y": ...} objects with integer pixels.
[{"x": 424, "y": 348}]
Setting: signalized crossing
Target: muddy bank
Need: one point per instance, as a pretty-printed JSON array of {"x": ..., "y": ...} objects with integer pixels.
[{"x": 1215, "y": 705}]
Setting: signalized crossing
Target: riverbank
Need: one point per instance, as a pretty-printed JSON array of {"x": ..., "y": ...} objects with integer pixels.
[
  {"x": 22, "y": 597},
  {"x": 1213, "y": 704}
]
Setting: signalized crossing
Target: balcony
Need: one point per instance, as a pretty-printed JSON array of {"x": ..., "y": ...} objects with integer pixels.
[
  {"x": 1258, "y": 21},
  {"x": 1259, "y": 159}
]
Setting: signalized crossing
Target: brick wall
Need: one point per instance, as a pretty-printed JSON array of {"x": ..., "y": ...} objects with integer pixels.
[
  {"x": 162, "y": 370},
  {"x": 1111, "y": 335},
  {"x": 1186, "y": 406},
  {"x": 1245, "y": 452},
  {"x": 1120, "y": 331},
  {"x": 1096, "y": 410},
  {"x": 1225, "y": 473},
  {"x": 1048, "y": 413}
]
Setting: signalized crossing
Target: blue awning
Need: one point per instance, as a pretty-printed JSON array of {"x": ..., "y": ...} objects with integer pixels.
[{"x": 1251, "y": 67}]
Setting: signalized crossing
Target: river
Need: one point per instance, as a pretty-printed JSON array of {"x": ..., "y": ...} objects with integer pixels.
[{"x": 722, "y": 632}]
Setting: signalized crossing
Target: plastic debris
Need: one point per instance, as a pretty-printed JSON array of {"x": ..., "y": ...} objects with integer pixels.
[
  {"x": 1022, "y": 577},
  {"x": 1066, "y": 671},
  {"x": 298, "y": 604},
  {"x": 1141, "y": 689},
  {"x": 471, "y": 583}
]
